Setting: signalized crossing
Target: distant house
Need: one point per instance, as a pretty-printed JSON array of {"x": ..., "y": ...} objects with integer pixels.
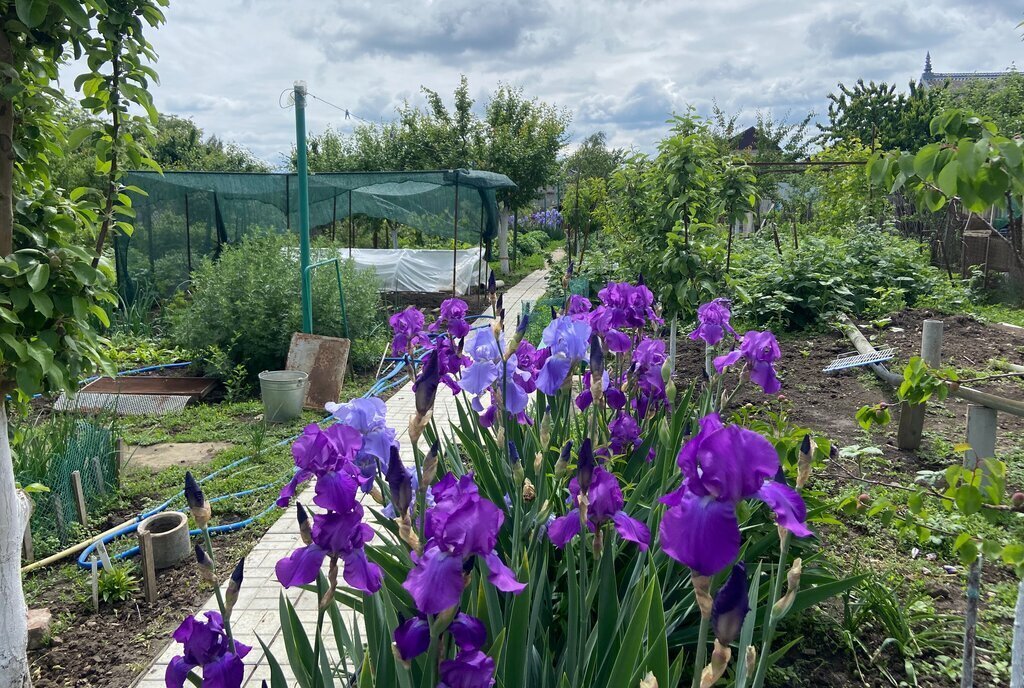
[{"x": 954, "y": 79}]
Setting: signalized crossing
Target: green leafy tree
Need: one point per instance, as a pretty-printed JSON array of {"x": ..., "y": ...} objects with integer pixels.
[
  {"x": 879, "y": 116},
  {"x": 592, "y": 159},
  {"x": 999, "y": 100},
  {"x": 53, "y": 286},
  {"x": 971, "y": 161}
]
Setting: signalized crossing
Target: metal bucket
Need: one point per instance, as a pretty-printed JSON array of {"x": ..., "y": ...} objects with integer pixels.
[{"x": 282, "y": 392}]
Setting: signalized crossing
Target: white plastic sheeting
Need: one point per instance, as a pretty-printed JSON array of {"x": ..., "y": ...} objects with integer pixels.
[{"x": 421, "y": 270}]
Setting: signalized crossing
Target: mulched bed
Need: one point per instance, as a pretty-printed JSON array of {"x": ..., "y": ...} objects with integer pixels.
[
  {"x": 827, "y": 403},
  {"x": 111, "y": 648}
]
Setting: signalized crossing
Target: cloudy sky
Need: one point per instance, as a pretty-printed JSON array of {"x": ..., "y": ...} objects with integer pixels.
[{"x": 621, "y": 66}]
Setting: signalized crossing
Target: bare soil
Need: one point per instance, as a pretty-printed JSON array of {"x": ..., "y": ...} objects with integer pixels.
[
  {"x": 827, "y": 403},
  {"x": 157, "y": 457}
]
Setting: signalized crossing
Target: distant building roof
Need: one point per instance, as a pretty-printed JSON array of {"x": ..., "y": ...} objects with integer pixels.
[
  {"x": 931, "y": 78},
  {"x": 746, "y": 139}
]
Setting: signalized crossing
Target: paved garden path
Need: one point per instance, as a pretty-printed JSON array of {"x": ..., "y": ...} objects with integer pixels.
[{"x": 256, "y": 612}]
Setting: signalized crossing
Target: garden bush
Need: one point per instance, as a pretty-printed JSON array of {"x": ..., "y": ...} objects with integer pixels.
[
  {"x": 862, "y": 271},
  {"x": 247, "y": 304}
]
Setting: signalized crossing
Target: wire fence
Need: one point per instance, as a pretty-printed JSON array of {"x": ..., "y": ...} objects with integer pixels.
[{"x": 87, "y": 462}]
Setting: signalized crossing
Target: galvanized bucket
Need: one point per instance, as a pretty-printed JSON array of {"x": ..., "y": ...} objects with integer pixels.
[{"x": 282, "y": 392}]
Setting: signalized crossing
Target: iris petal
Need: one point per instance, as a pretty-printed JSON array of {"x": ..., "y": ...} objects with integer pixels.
[
  {"x": 564, "y": 528},
  {"x": 502, "y": 576},
  {"x": 702, "y": 533},
  {"x": 361, "y": 573},
  {"x": 552, "y": 374},
  {"x": 300, "y": 567},
  {"x": 790, "y": 510},
  {"x": 435, "y": 583},
  {"x": 412, "y": 638},
  {"x": 633, "y": 530}
]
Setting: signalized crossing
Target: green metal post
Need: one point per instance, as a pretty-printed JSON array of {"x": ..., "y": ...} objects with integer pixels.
[{"x": 301, "y": 168}]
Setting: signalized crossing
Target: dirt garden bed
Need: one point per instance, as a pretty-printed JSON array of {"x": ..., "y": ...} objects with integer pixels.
[{"x": 826, "y": 404}]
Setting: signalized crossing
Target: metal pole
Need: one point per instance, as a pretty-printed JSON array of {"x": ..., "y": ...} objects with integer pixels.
[
  {"x": 351, "y": 231},
  {"x": 971, "y": 623},
  {"x": 931, "y": 343},
  {"x": 334, "y": 216},
  {"x": 515, "y": 235},
  {"x": 301, "y": 165},
  {"x": 455, "y": 234},
  {"x": 188, "y": 237}
]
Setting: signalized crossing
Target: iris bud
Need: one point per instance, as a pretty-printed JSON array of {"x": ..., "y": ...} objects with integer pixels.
[
  {"x": 197, "y": 503},
  {"x": 804, "y": 460},
  {"x": 719, "y": 661},
  {"x": 529, "y": 491},
  {"x": 783, "y": 605},
  {"x": 205, "y": 564},
  {"x": 649, "y": 681},
  {"x": 562, "y": 465},
  {"x": 234, "y": 586},
  {"x": 430, "y": 465},
  {"x": 305, "y": 525}
]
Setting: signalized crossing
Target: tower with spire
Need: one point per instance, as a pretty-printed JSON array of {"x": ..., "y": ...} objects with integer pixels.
[{"x": 927, "y": 65}]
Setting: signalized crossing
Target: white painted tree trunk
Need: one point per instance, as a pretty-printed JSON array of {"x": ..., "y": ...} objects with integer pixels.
[
  {"x": 503, "y": 239},
  {"x": 394, "y": 235},
  {"x": 14, "y": 512},
  {"x": 1017, "y": 670}
]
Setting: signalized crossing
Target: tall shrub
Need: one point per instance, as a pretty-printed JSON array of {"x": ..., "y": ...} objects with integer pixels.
[{"x": 247, "y": 304}]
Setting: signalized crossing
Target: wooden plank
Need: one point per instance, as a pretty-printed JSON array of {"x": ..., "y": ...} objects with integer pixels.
[
  {"x": 79, "y": 494},
  {"x": 148, "y": 567}
]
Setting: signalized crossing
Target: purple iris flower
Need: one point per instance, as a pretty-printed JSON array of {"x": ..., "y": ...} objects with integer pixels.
[
  {"x": 461, "y": 525},
  {"x": 605, "y": 503},
  {"x": 408, "y": 329},
  {"x": 206, "y": 645},
  {"x": 579, "y": 307},
  {"x": 623, "y": 305},
  {"x": 453, "y": 318},
  {"x": 369, "y": 417},
  {"x": 568, "y": 341},
  {"x": 491, "y": 375},
  {"x": 760, "y": 350},
  {"x": 722, "y": 466},
  {"x": 586, "y": 397},
  {"x": 318, "y": 451},
  {"x": 412, "y": 637},
  {"x": 648, "y": 359},
  {"x": 450, "y": 361},
  {"x": 339, "y": 532},
  {"x": 731, "y": 606},
  {"x": 624, "y": 431},
  {"x": 472, "y": 669},
  {"x": 713, "y": 322}
]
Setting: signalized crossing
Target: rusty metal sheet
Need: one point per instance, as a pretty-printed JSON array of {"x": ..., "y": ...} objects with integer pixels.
[
  {"x": 325, "y": 360},
  {"x": 197, "y": 387}
]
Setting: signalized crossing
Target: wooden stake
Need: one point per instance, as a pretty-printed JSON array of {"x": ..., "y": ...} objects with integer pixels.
[
  {"x": 27, "y": 552},
  {"x": 58, "y": 511},
  {"x": 95, "y": 570},
  {"x": 79, "y": 494},
  {"x": 148, "y": 569},
  {"x": 1017, "y": 667},
  {"x": 120, "y": 460}
]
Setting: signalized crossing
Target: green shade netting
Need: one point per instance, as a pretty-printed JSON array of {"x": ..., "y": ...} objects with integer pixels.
[{"x": 182, "y": 217}]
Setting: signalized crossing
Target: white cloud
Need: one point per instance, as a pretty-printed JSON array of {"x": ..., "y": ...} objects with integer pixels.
[{"x": 618, "y": 65}]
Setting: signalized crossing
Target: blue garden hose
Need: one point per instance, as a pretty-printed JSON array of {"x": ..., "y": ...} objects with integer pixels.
[{"x": 393, "y": 378}]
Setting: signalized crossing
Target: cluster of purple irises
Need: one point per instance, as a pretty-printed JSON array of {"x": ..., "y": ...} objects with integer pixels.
[{"x": 722, "y": 466}]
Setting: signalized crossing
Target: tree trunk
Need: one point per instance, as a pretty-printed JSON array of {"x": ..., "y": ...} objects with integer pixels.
[
  {"x": 503, "y": 239},
  {"x": 14, "y": 511},
  {"x": 6, "y": 157}
]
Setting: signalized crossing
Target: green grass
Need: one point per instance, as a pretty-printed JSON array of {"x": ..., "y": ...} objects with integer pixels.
[{"x": 1000, "y": 313}]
